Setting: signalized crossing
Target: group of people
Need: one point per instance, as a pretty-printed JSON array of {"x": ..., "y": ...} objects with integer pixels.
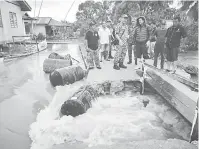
[{"x": 140, "y": 38}]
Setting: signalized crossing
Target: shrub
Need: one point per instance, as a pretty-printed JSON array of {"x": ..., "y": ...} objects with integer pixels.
[
  {"x": 40, "y": 36},
  {"x": 191, "y": 42}
]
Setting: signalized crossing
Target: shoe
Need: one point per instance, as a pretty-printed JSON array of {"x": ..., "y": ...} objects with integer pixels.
[
  {"x": 173, "y": 72},
  {"x": 116, "y": 67},
  {"x": 129, "y": 62},
  {"x": 136, "y": 62},
  {"x": 107, "y": 60},
  {"x": 99, "y": 67},
  {"x": 100, "y": 60},
  {"x": 122, "y": 66},
  {"x": 110, "y": 57},
  {"x": 91, "y": 68},
  {"x": 137, "y": 68}
]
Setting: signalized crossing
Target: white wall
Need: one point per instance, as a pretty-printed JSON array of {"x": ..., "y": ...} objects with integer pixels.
[
  {"x": 39, "y": 29},
  {"x": 7, "y": 32}
]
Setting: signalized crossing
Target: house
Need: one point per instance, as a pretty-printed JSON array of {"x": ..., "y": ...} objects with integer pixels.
[
  {"x": 48, "y": 26},
  {"x": 11, "y": 19},
  {"x": 28, "y": 21}
]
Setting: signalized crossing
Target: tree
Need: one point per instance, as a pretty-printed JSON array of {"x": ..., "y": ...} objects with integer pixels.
[
  {"x": 152, "y": 10},
  {"x": 91, "y": 11},
  {"x": 189, "y": 15}
]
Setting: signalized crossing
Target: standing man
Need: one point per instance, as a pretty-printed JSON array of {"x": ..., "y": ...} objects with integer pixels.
[
  {"x": 131, "y": 42},
  {"x": 92, "y": 44},
  {"x": 110, "y": 27},
  {"x": 121, "y": 32},
  {"x": 141, "y": 36},
  {"x": 152, "y": 41},
  {"x": 104, "y": 35},
  {"x": 159, "y": 45},
  {"x": 173, "y": 36}
]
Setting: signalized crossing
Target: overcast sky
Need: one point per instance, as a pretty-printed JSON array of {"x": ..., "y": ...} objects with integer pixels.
[{"x": 57, "y": 9}]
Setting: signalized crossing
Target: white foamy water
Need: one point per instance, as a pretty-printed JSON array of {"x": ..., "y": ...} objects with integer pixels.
[{"x": 111, "y": 119}]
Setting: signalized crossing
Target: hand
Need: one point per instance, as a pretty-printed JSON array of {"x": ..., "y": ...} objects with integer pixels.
[
  {"x": 148, "y": 43},
  {"x": 121, "y": 42},
  {"x": 87, "y": 49},
  {"x": 165, "y": 46}
]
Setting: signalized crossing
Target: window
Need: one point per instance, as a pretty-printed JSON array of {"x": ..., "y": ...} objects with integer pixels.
[
  {"x": 13, "y": 20},
  {"x": 1, "y": 22}
]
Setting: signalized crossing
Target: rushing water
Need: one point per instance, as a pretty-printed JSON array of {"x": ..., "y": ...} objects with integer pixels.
[
  {"x": 112, "y": 119},
  {"x": 24, "y": 90}
]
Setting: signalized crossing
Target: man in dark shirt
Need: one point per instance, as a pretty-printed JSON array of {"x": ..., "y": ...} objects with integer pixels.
[
  {"x": 173, "y": 36},
  {"x": 159, "y": 33},
  {"x": 92, "y": 44}
]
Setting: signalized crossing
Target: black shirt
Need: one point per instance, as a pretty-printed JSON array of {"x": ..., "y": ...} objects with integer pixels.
[
  {"x": 174, "y": 35},
  {"x": 92, "y": 40},
  {"x": 160, "y": 34}
]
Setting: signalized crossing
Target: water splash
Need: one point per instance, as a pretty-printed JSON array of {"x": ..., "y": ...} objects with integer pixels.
[{"x": 111, "y": 119}]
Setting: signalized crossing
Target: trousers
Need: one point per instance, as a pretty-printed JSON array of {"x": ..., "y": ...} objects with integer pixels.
[
  {"x": 93, "y": 57},
  {"x": 159, "y": 49},
  {"x": 120, "y": 53}
]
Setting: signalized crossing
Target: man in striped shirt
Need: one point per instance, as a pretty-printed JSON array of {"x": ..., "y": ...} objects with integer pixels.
[{"x": 141, "y": 36}]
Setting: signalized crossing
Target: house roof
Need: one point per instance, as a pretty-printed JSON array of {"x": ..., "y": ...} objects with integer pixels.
[
  {"x": 55, "y": 23},
  {"x": 27, "y": 17},
  {"x": 43, "y": 20},
  {"x": 49, "y": 21},
  {"x": 24, "y": 5}
]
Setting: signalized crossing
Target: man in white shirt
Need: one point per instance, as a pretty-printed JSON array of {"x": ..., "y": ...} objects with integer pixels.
[
  {"x": 104, "y": 34},
  {"x": 110, "y": 27}
]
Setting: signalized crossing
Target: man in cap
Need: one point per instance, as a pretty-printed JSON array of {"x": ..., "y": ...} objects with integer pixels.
[
  {"x": 92, "y": 45},
  {"x": 122, "y": 35},
  {"x": 173, "y": 36}
]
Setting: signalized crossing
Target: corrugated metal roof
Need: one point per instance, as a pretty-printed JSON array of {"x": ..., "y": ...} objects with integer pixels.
[
  {"x": 24, "y": 5},
  {"x": 27, "y": 17},
  {"x": 49, "y": 21},
  {"x": 55, "y": 23},
  {"x": 43, "y": 20}
]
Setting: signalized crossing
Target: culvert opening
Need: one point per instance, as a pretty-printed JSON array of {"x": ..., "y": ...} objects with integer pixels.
[{"x": 119, "y": 113}]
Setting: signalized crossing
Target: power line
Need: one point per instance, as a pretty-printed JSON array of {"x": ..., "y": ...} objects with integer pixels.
[
  {"x": 40, "y": 8},
  {"x": 35, "y": 9},
  {"x": 69, "y": 10}
]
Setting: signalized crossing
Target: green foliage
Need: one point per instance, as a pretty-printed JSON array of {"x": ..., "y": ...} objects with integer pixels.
[
  {"x": 40, "y": 36},
  {"x": 154, "y": 11},
  {"x": 91, "y": 11},
  {"x": 189, "y": 21},
  {"x": 191, "y": 42}
]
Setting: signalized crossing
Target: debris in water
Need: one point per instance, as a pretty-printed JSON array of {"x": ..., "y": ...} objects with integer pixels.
[{"x": 67, "y": 75}]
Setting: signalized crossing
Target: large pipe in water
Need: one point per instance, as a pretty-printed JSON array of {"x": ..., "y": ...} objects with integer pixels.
[
  {"x": 80, "y": 102},
  {"x": 51, "y": 65},
  {"x": 67, "y": 75}
]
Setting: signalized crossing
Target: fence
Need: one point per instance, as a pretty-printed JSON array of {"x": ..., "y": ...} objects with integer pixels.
[{"x": 25, "y": 45}]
